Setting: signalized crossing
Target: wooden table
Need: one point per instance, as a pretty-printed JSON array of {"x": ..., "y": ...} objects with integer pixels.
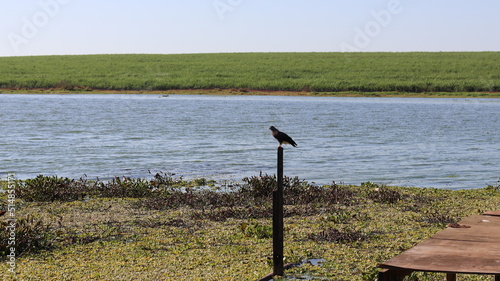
[{"x": 471, "y": 247}]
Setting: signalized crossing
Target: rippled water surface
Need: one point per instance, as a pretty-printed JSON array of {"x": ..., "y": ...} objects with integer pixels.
[{"x": 445, "y": 143}]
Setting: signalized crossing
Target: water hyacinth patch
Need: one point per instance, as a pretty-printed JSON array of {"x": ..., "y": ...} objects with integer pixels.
[{"x": 206, "y": 234}]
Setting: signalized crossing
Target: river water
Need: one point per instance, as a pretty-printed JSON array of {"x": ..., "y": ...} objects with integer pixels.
[{"x": 443, "y": 143}]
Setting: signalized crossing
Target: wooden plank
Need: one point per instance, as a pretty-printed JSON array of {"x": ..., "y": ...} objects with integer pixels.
[
  {"x": 449, "y": 256},
  {"x": 492, "y": 213},
  {"x": 474, "y": 249},
  {"x": 481, "y": 219},
  {"x": 474, "y": 228}
]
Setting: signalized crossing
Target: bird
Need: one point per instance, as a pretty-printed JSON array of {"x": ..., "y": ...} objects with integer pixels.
[{"x": 282, "y": 137}]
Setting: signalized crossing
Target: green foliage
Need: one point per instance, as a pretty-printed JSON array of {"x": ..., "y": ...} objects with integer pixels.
[
  {"x": 346, "y": 235},
  {"x": 382, "y": 194},
  {"x": 338, "y": 216},
  {"x": 296, "y": 191},
  {"x": 256, "y": 230},
  {"x": 25, "y": 235},
  {"x": 311, "y": 72},
  {"x": 440, "y": 217},
  {"x": 51, "y": 188},
  {"x": 125, "y": 187},
  {"x": 199, "y": 182},
  {"x": 493, "y": 188},
  {"x": 165, "y": 181},
  {"x": 206, "y": 234},
  {"x": 259, "y": 187}
]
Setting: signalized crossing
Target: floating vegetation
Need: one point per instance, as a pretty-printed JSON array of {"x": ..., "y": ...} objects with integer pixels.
[
  {"x": 50, "y": 189},
  {"x": 336, "y": 235},
  {"x": 382, "y": 194},
  {"x": 164, "y": 227},
  {"x": 29, "y": 235},
  {"x": 256, "y": 230}
]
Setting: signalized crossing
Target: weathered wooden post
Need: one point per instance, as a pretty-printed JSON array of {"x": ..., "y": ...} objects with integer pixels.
[{"x": 278, "y": 219}]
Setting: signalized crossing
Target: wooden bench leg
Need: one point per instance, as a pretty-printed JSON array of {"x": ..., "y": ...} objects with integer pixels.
[
  {"x": 392, "y": 275},
  {"x": 451, "y": 277},
  {"x": 497, "y": 277}
]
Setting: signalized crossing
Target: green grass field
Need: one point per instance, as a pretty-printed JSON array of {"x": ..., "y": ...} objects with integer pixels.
[{"x": 309, "y": 72}]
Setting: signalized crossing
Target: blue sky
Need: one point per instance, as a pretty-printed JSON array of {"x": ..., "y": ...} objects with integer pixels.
[{"x": 56, "y": 27}]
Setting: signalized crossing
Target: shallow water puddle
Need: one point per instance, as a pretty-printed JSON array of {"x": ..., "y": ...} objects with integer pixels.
[{"x": 315, "y": 262}]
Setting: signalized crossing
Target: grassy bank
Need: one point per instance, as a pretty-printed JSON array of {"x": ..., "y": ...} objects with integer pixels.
[
  {"x": 167, "y": 229},
  {"x": 330, "y": 73},
  {"x": 240, "y": 92}
]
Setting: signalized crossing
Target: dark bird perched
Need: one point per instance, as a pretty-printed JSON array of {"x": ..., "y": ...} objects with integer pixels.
[{"x": 282, "y": 137}]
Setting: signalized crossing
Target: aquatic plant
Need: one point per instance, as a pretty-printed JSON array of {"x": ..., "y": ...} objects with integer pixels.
[
  {"x": 188, "y": 233},
  {"x": 51, "y": 188},
  {"x": 124, "y": 187},
  {"x": 335, "y": 235},
  {"x": 382, "y": 194},
  {"x": 24, "y": 235},
  {"x": 256, "y": 230}
]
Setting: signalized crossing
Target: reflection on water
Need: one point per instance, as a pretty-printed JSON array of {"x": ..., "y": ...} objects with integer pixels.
[
  {"x": 445, "y": 143},
  {"x": 314, "y": 262}
]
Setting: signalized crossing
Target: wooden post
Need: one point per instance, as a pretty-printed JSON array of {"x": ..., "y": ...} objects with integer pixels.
[
  {"x": 393, "y": 275},
  {"x": 278, "y": 219},
  {"x": 451, "y": 277}
]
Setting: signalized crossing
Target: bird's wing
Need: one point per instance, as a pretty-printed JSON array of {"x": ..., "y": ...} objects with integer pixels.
[{"x": 287, "y": 139}]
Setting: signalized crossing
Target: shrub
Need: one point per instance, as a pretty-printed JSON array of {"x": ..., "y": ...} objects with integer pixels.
[
  {"x": 31, "y": 235},
  {"x": 382, "y": 194},
  {"x": 50, "y": 189},
  {"x": 259, "y": 187},
  {"x": 493, "y": 188},
  {"x": 296, "y": 191},
  {"x": 53, "y": 188},
  {"x": 125, "y": 187},
  {"x": 340, "y": 194},
  {"x": 301, "y": 192},
  {"x": 165, "y": 181}
]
